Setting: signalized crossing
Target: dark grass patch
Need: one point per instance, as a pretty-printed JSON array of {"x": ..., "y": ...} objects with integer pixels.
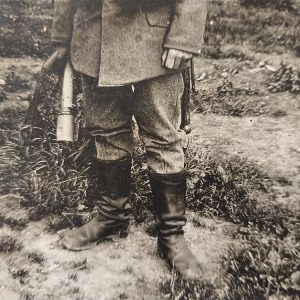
[
  {"x": 12, "y": 113},
  {"x": 14, "y": 83},
  {"x": 286, "y": 78},
  {"x": 58, "y": 179},
  {"x": 13, "y": 223},
  {"x": 278, "y": 4},
  {"x": 265, "y": 29},
  {"x": 57, "y": 222},
  {"x": 224, "y": 186},
  {"x": 3, "y": 96},
  {"x": 268, "y": 259},
  {"x": 141, "y": 196},
  {"x": 178, "y": 289},
  {"x": 81, "y": 264},
  {"x": 263, "y": 266},
  {"x": 19, "y": 272},
  {"x": 36, "y": 257},
  {"x": 227, "y": 99},
  {"x": 24, "y": 29},
  {"x": 9, "y": 244},
  {"x": 266, "y": 25},
  {"x": 218, "y": 185},
  {"x": 10, "y": 155}
]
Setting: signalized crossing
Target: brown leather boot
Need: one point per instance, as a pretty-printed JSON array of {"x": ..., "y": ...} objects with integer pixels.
[
  {"x": 169, "y": 196},
  {"x": 113, "y": 208}
]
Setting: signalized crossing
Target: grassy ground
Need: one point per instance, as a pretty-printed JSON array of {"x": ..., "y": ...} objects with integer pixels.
[{"x": 243, "y": 161}]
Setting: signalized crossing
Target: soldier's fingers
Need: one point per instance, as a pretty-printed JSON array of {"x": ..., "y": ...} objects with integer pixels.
[
  {"x": 187, "y": 56},
  {"x": 164, "y": 57},
  {"x": 170, "y": 61}
]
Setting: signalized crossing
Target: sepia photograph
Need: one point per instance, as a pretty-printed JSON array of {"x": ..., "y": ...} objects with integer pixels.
[{"x": 150, "y": 149}]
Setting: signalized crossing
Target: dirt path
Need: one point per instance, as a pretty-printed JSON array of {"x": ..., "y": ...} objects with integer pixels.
[
  {"x": 272, "y": 143},
  {"x": 124, "y": 269}
]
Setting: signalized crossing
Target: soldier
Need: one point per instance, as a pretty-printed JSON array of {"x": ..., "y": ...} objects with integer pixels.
[{"x": 131, "y": 54}]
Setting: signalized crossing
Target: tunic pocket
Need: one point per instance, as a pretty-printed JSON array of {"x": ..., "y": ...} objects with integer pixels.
[{"x": 160, "y": 17}]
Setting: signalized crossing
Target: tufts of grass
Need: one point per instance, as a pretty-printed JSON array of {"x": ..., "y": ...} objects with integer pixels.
[
  {"x": 21, "y": 273},
  {"x": 286, "y": 78},
  {"x": 278, "y": 4},
  {"x": 265, "y": 29},
  {"x": 26, "y": 295},
  {"x": 24, "y": 35},
  {"x": 14, "y": 83},
  {"x": 10, "y": 154},
  {"x": 36, "y": 257},
  {"x": 56, "y": 179},
  {"x": 220, "y": 185},
  {"x": 227, "y": 99},
  {"x": 13, "y": 223},
  {"x": 9, "y": 244},
  {"x": 263, "y": 266},
  {"x": 78, "y": 264},
  {"x": 266, "y": 262},
  {"x": 3, "y": 96},
  {"x": 268, "y": 259},
  {"x": 179, "y": 289},
  {"x": 141, "y": 198},
  {"x": 226, "y": 186}
]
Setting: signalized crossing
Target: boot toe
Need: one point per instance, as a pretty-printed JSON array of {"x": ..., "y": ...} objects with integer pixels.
[
  {"x": 72, "y": 241},
  {"x": 189, "y": 270}
]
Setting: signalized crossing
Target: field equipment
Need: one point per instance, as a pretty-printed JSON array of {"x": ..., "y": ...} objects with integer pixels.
[
  {"x": 189, "y": 90},
  {"x": 51, "y": 103},
  {"x": 65, "y": 118}
]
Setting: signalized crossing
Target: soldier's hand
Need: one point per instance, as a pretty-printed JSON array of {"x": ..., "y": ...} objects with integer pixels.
[{"x": 172, "y": 58}]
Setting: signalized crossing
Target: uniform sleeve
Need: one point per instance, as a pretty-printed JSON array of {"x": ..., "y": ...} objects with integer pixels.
[
  {"x": 62, "y": 26},
  {"x": 187, "y": 27}
]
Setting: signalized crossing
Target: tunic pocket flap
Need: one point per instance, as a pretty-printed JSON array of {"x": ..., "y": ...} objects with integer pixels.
[{"x": 160, "y": 17}]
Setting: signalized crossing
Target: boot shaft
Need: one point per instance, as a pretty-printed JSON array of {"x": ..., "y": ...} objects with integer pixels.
[
  {"x": 113, "y": 189},
  {"x": 114, "y": 177},
  {"x": 169, "y": 193}
]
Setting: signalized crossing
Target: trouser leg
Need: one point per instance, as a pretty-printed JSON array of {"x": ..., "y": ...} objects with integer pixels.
[
  {"x": 108, "y": 117},
  {"x": 157, "y": 106}
]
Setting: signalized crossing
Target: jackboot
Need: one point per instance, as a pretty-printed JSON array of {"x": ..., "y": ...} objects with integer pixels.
[
  {"x": 169, "y": 193},
  {"x": 112, "y": 217}
]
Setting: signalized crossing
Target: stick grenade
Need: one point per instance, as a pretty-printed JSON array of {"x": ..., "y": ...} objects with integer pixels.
[
  {"x": 65, "y": 118},
  {"x": 185, "y": 102}
]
